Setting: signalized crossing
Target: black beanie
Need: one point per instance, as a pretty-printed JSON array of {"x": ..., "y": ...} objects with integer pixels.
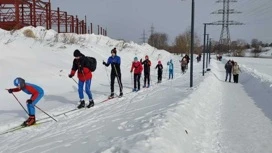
[
  {"x": 113, "y": 51},
  {"x": 77, "y": 53}
]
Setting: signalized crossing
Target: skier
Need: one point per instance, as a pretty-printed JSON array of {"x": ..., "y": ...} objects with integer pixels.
[
  {"x": 84, "y": 75},
  {"x": 147, "y": 64},
  {"x": 115, "y": 62},
  {"x": 138, "y": 68},
  {"x": 160, "y": 68},
  {"x": 183, "y": 63},
  {"x": 171, "y": 69},
  {"x": 36, "y": 93},
  {"x": 228, "y": 68}
]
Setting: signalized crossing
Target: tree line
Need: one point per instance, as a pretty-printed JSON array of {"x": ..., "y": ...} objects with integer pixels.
[{"x": 182, "y": 44}]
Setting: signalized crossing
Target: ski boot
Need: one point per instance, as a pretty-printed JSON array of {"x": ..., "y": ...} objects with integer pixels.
[
  {"x": 91, "y": 104},
  {"x": 144, "y": 86},
  {"x": 81, "y": 105},
  {"x": 111, "y": 95},
  {"x": 121, "y": 94},
  {"x": 134, "y": 90},
  {"x": 30, "y": 121},
  {"x": 148, "y": 86}
]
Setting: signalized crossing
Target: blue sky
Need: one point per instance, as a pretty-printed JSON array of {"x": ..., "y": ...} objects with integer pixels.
[{"x": 126, "y": 19}]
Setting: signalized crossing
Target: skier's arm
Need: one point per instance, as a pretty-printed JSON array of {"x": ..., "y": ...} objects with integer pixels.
[
  {"x": 131, "y": 67},
  {"x": 16, "y": 89},
  {"x": 156, "y": 66},
  {"x": 108, "y": 62},
  {"x": 74, "y": 68},
  {"x": 149, "y": 63},
  {"x": 33, "y": 91}
]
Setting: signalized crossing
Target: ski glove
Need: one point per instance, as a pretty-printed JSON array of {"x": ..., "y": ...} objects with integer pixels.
[
  {"x": 10, "y": 90},
  {"x": 29, "y": 101},
  {"x": 70, "y": 75}
]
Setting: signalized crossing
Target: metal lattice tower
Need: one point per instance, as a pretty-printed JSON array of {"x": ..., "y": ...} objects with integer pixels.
[
  {"x": 226, "y": 11},
  {"x": 143, "y": 37}
]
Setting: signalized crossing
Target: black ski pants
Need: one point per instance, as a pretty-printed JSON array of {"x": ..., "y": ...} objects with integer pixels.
[
  {"x": 119, "y": 80},
  {"x": 159, "y": 76},
  {"x": 137, "y": 81},
  {"x": 146, "y": 78},
  {"x": 236, "y": 78}
]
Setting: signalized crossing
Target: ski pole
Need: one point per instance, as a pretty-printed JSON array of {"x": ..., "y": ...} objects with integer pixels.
[
  {"x": 19, "y": 103},
  {"x": 74, "y": 80},
  {"x": 46, "y": 113},
  {"x": 77, "y": 83},
  {"x": 107, "y": 74},
  {"x": 118, "y": 79},
  {"x": 131, "y": 79}
]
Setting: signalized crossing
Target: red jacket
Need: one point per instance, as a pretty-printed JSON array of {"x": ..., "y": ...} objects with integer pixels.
[
  {"x": 83, "y": 73},
  {"x": 137, "y": 66}
]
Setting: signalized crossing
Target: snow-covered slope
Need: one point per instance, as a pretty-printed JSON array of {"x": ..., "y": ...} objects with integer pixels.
[{"x": 213, "y": 116}]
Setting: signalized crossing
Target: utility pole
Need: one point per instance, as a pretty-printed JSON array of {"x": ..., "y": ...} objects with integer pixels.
[
  {"x": 225, "y": 33},
  {"x": 192, "y": 42},
  {"x": 207, "y": 48},
  {"x": 204, "y": 48}
]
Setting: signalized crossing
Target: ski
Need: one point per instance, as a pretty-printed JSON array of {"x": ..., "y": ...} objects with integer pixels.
[{"x": 17, "y": 128}]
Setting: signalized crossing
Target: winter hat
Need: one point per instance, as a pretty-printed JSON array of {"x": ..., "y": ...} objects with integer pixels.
[
  {"x": 135, "y": 58},
  {"x": 159, "y": 62},
  {"x": 146, "y": 56},
  {"x": 113, "y": 51},
  {"x": 19, "y": 82},
  {"x": 77, "y": 53}
]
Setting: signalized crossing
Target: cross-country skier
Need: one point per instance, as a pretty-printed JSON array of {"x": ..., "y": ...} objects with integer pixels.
[
  {"x": 147, "y": 64},
  {"x": 36, "y": 93},
  {"x": 171, "y": 69},
  {"x": 160, "y": 68},
  {"x": 115, "y": 62},
  {"x": 137, "y": 67},
  {"x": 84, "y": 75}
]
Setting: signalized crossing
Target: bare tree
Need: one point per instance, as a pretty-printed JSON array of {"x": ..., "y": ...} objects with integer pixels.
[
  {"x": 158, "y": 40},
  {"x": 256, "y": 47},
  {"x": 182, "y": 42},
  {"x": 238, "y": 47}
]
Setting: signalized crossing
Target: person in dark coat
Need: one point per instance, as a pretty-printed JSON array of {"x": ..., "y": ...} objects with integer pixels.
[
  {"x": 147, "y": 64},
  {"x": 84, "y": 75},
  {"x": 228, "y": 68},
  {"x": 160, "y": 68}
]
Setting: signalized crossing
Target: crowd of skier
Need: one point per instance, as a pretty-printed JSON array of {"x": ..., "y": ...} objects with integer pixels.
[{"x": 84, "y": 66}]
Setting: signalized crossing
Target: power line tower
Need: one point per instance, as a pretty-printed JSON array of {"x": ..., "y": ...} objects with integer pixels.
[
  {"x": 143, "y": 37},
  {"x": 152, "y": 31},
  {"x": 225, "y": 32}
]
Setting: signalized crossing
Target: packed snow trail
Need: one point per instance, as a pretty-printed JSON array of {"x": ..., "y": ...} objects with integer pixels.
[
  {"x": 243, "y": 126},
  {"x": 103, "y": 126}
]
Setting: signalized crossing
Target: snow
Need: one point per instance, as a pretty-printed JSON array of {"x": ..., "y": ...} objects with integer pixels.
[
  {"x": 266, "y": 52},
  {"x": 212, "y": 117}
]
